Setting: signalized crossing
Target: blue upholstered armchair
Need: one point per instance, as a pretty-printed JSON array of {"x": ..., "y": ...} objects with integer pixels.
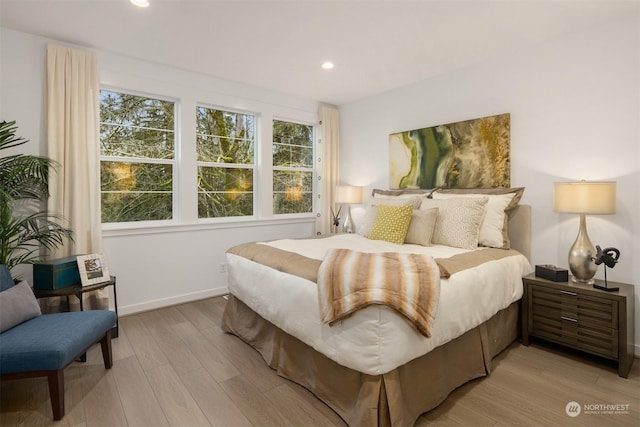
[{"x": 36, "y": 345}]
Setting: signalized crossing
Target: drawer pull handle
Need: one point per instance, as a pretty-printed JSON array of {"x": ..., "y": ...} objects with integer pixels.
[
  {"x": 569, "y": 293},
  {"x": 568, "y": 318}
]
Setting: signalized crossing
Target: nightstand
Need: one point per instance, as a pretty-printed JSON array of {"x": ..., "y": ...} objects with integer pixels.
[{"x": 581, "y": 317}]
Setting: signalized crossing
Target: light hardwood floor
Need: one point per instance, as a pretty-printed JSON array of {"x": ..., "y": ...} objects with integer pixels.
[{"x": 175, "y": 367}]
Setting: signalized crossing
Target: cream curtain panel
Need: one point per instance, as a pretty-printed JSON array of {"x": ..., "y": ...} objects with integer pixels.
[
  {"x": 328, "y": 176},
  {"x": 73, "y": 131}
]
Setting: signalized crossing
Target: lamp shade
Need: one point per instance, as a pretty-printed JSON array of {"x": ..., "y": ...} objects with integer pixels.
[
  {"x": 584, "y": 197},
  {"x": 348, "y": 194}
]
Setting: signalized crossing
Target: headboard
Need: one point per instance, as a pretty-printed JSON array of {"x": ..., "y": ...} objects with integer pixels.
[{"x": 520, "y": 229}]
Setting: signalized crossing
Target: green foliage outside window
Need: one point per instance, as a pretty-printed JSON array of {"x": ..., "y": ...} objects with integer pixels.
[
  {"x": 137, "y": 146},
  {"x": 225, "y": 146},
  {"x": 136, "y": 191},
  {"x": 138, "y": 161},
  {"x": 292, "y": 167}
]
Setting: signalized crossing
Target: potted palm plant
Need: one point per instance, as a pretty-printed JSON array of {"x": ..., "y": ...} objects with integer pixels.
[{"x": 25, "y": 228}]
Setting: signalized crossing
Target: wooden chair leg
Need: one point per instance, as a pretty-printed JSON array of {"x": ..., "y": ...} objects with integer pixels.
[
  {"x": 56, "y": 393},
  {"x": 107, "y": 356}
]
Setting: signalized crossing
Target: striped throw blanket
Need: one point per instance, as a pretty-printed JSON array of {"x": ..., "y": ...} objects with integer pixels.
[{"x": 350, "y": 280}]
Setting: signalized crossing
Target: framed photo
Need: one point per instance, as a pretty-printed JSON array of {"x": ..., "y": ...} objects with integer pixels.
[{"x": 93, "y": 269}]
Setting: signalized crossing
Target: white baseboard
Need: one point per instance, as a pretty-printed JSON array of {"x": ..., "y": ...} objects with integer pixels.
[{"x": 166, "y": 302}]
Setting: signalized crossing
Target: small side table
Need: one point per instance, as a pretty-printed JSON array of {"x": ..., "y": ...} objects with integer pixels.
[
  {"x": 581, "y": 317},
  {"x": 78, "y": 290}
]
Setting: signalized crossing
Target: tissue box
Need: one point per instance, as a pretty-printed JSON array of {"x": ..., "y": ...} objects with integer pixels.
[
  {"x": 56, "y": 273},
  {"x": 553, "y": 273}
]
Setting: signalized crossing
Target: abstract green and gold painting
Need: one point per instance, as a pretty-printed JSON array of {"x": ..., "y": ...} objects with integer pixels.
[{"x": 469, "y": 154}]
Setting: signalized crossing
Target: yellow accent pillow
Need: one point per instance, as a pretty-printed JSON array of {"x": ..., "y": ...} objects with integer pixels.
[{"x": 391, "y": 223}]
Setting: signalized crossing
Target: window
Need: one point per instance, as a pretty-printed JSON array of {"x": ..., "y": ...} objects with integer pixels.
[
  {"x": 225, "y": 146},
  {"x": 292, "y": 167},
  {"x": 137, "y": 157},
  {"x": 219, "y": 172}
]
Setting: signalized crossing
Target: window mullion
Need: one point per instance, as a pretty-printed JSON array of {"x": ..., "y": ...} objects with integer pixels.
[
  {"x": 187, "y": 192},
  {"x": 137, "y": 160}
]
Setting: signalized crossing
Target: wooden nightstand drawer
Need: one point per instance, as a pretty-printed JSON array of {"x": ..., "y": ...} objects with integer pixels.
[
  {"x": 575, "y": 307},
  {"x": 565, "y": 330},
  {"x": 581, "y": 317}
]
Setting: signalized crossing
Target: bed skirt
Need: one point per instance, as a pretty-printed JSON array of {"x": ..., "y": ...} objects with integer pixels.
[{"x": 396, "y": 398}]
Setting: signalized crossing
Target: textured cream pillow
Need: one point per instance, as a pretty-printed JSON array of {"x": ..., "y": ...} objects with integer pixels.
[
  {"x": 459, "y": 220},
  {"x": 423, "y": 222},
  {"x": 391, "y": 223},
  {"x": 378, "y": 200},
  {"x": 493, "y": 228}
]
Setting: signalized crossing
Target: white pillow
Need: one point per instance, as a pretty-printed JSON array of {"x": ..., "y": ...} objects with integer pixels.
[
  {"x": 459, "y": 220},
  {"x": 423, "y": 222},
  {"x": 491, "y": 229},
  {"x": 378, "y": 200}
]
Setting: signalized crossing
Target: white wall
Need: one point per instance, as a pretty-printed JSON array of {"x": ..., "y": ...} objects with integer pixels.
[
  {"x": 575, "y": 114},
  {"x": 167, "y": 265},
  {"x": 574, "y": 106}
]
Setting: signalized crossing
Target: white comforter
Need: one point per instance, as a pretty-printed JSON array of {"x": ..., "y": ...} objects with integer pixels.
[{"x": 375, "y": 340}]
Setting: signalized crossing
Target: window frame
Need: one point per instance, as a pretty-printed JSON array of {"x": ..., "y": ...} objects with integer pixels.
[
  {"x": 254, "y": 166},
  {"x": 312, "y": 169},
  {"x": 185, "y": 164},
  {"x": 175, "y": 214}
]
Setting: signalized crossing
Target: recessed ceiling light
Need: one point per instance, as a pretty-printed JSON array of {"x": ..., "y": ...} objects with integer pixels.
[
  {"x": 327, "y": 65},
  {"x": 140, "y": 3}
]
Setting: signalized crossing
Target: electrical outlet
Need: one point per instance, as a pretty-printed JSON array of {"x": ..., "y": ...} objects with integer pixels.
[{"x": 223, "y": 267}]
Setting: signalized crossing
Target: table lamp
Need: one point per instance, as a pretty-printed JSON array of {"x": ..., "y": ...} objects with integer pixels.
[
  {"x": 347, "y": 194},
  {"x": 584, "y": 198}
]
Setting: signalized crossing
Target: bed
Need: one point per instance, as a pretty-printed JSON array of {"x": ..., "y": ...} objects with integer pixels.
[{"x": 373, "y": 367}]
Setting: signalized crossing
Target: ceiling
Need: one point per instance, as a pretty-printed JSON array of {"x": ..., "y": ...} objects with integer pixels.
[{"x": 280, "y": 45}]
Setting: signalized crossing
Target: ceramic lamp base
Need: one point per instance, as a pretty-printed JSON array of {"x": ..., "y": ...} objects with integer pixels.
[
  {"x": 574, "y": 279},
  {"x": 581, "y": 256}
]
